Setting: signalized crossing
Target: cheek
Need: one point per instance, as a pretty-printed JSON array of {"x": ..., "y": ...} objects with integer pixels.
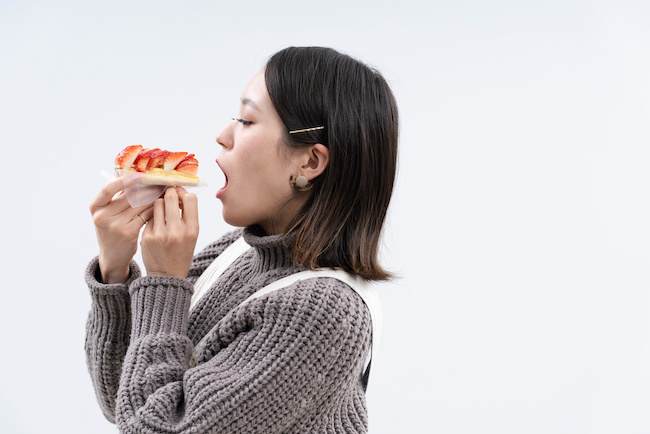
[
  {"x": 268, "y": 171},
  {"x": 269, "y": 187},
  {"x": 261, "y": 168},
  {"x": 259, "y": 184}
]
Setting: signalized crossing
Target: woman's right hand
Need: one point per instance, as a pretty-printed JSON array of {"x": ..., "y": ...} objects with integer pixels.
[{"x": 117, "y": 226}]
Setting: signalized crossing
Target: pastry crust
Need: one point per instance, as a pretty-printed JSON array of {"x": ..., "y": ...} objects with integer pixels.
[{"x": 171, "y": 179}]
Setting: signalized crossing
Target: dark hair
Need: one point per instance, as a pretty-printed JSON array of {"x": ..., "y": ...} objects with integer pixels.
[{"x": 340, "y": 225}]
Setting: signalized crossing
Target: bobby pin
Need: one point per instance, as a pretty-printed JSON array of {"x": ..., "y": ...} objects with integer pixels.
[{"x": 306, "y": 129}]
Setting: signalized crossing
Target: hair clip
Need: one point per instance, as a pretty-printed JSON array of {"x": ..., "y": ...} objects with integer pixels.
[{"x": 306, "y": 129}]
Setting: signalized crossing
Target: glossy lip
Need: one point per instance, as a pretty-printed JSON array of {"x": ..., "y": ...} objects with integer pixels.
[{"x": 222, "y": 189}]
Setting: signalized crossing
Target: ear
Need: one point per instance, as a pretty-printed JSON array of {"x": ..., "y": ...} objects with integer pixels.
[{"x": 314, "y": 161}]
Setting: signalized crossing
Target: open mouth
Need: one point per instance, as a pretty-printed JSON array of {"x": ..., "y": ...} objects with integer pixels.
[{"x": 222, "y": 189}]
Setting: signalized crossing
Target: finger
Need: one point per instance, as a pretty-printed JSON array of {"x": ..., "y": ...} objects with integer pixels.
[
  {"x": 172, "y": 210},
  {"x": 159, "y": 212},
  {"x": 118, "y": 205},
  {"x": 147, "y": 214},
  {"x": 190, "y": 206},
  {"x": 179, "y": 191},
  {"x": 106, "y": 194},
  {"x": 120, "y": 208},
  {"x": 137, "y": 217},
  {"x": 139, "y": 220},
  {"x": 112, "y": 196},
  {"x": 149, "y": 227},
  {"x": 143, "y": 208}
]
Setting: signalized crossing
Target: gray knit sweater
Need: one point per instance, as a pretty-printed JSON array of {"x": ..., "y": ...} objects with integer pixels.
[{"x": 288, "y": 362}]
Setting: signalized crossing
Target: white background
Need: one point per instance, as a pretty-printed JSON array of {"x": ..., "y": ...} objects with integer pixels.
[{"x": 519, "y": 223}]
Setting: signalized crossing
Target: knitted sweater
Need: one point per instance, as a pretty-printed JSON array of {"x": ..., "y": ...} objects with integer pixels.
[{"x": 287, "y": 362}]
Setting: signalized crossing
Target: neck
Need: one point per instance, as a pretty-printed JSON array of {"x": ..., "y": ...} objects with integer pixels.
[{"x": 288, "y": 211}]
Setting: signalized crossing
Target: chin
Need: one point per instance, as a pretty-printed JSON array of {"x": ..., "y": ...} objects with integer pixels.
[{"x": 234, "y": 220}]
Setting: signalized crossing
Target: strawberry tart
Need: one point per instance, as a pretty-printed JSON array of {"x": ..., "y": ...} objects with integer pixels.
[{"x": 158, "y": 167}]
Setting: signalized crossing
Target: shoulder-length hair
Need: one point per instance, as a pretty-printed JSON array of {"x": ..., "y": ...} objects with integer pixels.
[{"x": 340, "y": 225}]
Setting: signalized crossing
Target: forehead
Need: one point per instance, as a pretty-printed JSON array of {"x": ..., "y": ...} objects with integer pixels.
[{"x": 255, "y": 95}]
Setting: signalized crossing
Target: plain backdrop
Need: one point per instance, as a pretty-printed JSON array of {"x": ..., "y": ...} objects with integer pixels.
[{"x": 519, "y": 225}]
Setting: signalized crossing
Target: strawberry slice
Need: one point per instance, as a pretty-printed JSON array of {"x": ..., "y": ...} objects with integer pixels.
[
  {"x": 147, "y": 152},
  {"x": 186, "y": 161},
  {"x": 172, "y": 159},
  {"x": 127, "y": 156},
  {"x": 157, "y": 157},
  {"x": 143, "y": 159},
  {"x": 141, "y": 163},
  {"x": 189, "y": 157},
  {"x": 190, "y": 167}
]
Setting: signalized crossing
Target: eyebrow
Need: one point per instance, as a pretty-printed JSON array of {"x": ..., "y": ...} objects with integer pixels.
[{"x": 249, "y": 102}]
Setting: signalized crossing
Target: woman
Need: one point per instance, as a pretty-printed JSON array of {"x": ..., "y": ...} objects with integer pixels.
[{"x": 309, "y": 162}]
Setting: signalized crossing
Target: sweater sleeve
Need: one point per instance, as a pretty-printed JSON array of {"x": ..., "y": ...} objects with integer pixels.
[
  {"x": 107, "y": 334},
  {"x": 270, "y": 365},
  {"x": 108, "y": 329}
]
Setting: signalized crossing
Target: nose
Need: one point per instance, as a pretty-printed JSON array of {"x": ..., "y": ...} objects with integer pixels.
[{"x": 225, "y": 138}]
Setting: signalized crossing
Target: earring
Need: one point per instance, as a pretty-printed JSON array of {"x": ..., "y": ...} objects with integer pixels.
[{"x": 300, "y": 182}]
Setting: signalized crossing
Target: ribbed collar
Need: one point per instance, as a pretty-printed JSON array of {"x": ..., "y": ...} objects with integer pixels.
[{"x": 271, "y": 249}]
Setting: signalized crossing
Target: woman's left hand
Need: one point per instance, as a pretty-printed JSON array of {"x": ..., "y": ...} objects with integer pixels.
[{"x": 169, "y": 238}]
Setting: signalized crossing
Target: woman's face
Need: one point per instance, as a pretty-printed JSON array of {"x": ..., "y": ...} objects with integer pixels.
[{"x": 256, "y": 165}]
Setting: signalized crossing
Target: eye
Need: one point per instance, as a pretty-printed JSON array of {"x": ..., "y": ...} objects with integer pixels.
[{"x": 243, "y": 121}]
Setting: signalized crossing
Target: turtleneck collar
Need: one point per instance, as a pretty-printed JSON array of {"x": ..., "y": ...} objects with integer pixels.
[{"x": 271, "y": 249}]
